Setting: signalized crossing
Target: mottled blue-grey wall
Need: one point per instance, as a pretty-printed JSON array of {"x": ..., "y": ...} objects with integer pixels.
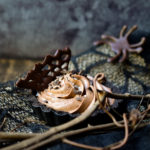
[{"x": 30, "y": 28}]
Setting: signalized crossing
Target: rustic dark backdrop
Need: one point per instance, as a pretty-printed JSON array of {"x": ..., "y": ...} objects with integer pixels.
[{"x": 31, "y": 28}]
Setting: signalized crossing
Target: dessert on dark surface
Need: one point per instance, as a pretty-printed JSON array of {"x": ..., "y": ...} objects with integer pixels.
[
  {"x": 131, "y": 76},
  {"x": 72, "y": 93},
  {"x": 60, "y": 92}
]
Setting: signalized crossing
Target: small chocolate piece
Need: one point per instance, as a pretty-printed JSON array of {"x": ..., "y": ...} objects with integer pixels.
[
  {"x": 43, "y": 73},
  {"x": 120, "y": 45}
]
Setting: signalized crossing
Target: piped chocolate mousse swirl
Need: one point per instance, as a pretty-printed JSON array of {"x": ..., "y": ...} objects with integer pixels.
[
  {"x": 73, "y": 93},
  {"x": 60, "y": 90}
]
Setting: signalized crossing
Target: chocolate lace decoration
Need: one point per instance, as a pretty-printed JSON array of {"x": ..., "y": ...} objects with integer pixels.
[
  {"x": 43, "y": 73},
  {"x": 120, "y": 45}
]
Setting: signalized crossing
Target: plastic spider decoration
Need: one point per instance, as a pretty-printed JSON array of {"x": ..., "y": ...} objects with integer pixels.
[{"x": 120, "y": 45}]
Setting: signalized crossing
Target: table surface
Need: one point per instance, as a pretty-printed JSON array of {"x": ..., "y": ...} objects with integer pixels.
[{"x": 11, "y": 69}]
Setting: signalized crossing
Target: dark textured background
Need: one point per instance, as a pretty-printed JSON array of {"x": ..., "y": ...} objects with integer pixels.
[{"x": 32, "y": 28}]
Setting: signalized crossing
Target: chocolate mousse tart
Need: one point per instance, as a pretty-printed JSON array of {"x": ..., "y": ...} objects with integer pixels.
[{"x": 61, "y": 95}]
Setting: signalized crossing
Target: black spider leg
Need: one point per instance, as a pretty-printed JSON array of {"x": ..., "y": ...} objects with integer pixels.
[
  {"x": 94, "y": 51},
  {"x": 82, "y": 53},
  {"x": 119, "y": 89},
  {"x": 137, "y": 70},
  {"x": 33, "y": 126},
  {"x": 9, "y": 115},
  {"x": 14, "y": 108},
  {"x": 73, "y": 59},
  {"x": 138, "y": 67},
  {"x": 101, "y": 62},
  {"x": 126, "y": 75},
  {"x": 87, "y": 70},
  {"x": 122, "y": 103},
  {"x": 99, "y": 53},
  {"x": 2, "y": 114},
  {"x": 143, "y": 86},
  {"x": 6, "y": 112}
]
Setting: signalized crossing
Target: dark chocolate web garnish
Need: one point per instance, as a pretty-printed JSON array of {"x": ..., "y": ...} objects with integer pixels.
[
  {"x": 43, "y": 73},
  {"x": 120, "y": 45}
]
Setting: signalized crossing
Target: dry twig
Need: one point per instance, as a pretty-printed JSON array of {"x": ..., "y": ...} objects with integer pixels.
[
  {"x": 111, "y": 147},
  {"x": 63, "y": 134},
  {"x": 106, "y": 127},
  {"x": 29, "y": 142},
  {"x": 128, "y": 96},
  {"x": 52, "y": 134}
]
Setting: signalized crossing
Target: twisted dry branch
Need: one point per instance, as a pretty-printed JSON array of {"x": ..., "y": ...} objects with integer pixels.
[
  {"x": 111, "y": 147},
  {"x": 29, "y": 142},
  {"x": 53, "y": 134}
]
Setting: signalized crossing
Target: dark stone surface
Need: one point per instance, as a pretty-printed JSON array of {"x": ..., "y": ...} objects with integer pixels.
[{"x": 32, "y": 28}]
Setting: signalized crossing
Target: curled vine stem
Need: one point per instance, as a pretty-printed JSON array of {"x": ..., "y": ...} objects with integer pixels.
[
  {"x": 32, "y": 142},
  {"x": 65, "y": 140},
  {"x": 110, "y": 147},
  {"x": 100, "y": 77},
  {"x": 140, "y": 119},
  {"x": 57, "y": 133},
  {"x": 122, "y": 142}
]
